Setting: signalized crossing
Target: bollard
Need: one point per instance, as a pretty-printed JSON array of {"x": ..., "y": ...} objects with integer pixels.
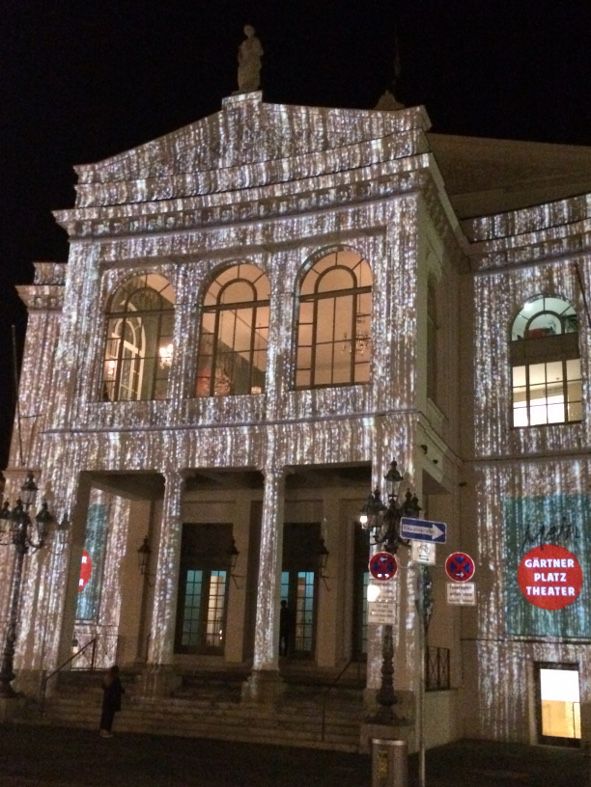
[{"x": 389, "y": 763}]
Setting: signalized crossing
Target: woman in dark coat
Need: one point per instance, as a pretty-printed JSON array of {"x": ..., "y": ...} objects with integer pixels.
[{"x": 112, "y": 691}]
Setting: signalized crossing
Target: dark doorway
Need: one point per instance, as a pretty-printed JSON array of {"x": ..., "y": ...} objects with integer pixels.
[
  {"x": 299, "y": 586},
  {"x": 203, "y": 588},
  {"x": 360, "y": 580}
]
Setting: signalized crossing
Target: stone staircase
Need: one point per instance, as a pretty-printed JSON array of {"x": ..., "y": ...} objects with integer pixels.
[{"x": 209, "y": 707}]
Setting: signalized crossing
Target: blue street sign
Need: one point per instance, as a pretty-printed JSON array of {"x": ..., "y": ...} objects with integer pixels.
[{"x": 423, "y": 530}]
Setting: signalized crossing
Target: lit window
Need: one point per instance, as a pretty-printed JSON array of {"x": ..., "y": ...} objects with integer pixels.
[
  {"x": 138, "y": 352},
  {"x": 334, "y": 322},
  {"x": 546, "y": 367},
  {"x": 234, "y": 333}
]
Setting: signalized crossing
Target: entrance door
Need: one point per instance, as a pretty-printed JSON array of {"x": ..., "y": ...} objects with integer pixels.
[
  {"x": 559, "y": 708},
  {"x": 299, "y": 586},
  {"x": 203, "y": 588},
  {"x": 361, "y": 580}
]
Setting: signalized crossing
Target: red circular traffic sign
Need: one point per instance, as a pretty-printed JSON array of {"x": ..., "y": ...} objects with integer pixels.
[
  {"x": 550, "y": 577},
  {"x": 460, "y": 567},
  {"x": 85, "y": 571},
  {"x": 383, "y": 566}
]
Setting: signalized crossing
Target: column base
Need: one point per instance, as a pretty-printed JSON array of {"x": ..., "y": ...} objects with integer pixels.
[
  {"x": 159, "y": 680},
  {"x": 263, "y": 687}
]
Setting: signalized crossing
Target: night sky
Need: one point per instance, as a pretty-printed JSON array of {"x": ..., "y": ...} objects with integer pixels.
[{"x": 81, "y": 81}]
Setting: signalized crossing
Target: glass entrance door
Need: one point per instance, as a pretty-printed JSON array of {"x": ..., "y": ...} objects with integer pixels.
[
  {"x": 203, "y": 588},
  {"x": 202, "y": 620},
  {"x": 361, "y": 580},
  {"x": 299, "y": 588},
  {"x": 559, "y": 708}
]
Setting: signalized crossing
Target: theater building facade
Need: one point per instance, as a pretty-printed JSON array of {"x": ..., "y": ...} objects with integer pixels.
[{"x": 258, "y": 313}]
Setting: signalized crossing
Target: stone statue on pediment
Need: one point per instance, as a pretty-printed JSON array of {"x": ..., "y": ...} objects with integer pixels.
[{"x": 250, "y": 53}]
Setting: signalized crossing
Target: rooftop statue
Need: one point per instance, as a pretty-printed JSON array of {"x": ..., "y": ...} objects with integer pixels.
[{"x": 249, "y": 61}]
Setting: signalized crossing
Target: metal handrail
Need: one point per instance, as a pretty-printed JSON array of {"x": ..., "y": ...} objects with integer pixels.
[
  {"x": 47, "y": 678},
  {"x": 327, "y": 691}
]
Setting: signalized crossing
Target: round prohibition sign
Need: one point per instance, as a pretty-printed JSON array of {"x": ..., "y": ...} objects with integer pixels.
[
  {"x": 460, "y": 567},
  {"x": 383, "y": 566}
]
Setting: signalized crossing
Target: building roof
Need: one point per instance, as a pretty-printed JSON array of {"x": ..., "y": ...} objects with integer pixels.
[{"x": 484, "y": 176}]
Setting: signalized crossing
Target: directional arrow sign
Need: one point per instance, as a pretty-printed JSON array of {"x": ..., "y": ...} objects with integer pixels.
[{"x": 423, "y": 530}]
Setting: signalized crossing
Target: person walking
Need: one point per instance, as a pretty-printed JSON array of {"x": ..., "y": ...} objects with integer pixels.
[{"x": 112, "y": 691}]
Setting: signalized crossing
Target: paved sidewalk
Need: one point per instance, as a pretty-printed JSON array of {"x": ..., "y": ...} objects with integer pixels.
[{"x": 58, "y": 757}]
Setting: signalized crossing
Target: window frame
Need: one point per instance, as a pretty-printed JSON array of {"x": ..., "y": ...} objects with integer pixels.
[
  {"x": 121, "y": 318},
  {"x": 544, "y": 346},
  {"x": 219, "y": 381},
  {"x": 360, "y": 337}
]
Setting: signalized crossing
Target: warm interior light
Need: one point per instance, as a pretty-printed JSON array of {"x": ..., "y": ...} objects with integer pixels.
[{"x": 165, "y": 352}]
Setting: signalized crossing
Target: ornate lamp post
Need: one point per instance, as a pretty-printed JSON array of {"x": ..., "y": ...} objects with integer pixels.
[
  {"x": 383, "y": 524},
  {"x": 18, "y": 529}
]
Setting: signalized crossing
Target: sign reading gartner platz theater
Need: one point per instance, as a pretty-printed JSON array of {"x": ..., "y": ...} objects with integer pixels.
[
  {"x": 547, "y": 578},
  {"x": 550, "y": 577}
]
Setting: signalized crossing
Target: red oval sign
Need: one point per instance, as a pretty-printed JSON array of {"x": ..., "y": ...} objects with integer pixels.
[
  {"x": 460, "y": 567},
  {"x": 383, "y": 566},
  {"x": 85, "y": 571},
  {"x": 550, "y": 577}
]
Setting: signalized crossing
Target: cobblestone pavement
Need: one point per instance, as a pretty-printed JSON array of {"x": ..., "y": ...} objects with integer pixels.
[{"x": 59, "y": 757}]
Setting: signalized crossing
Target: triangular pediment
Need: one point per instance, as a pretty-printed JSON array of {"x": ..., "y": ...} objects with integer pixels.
[{"x": 244, "y": 134}]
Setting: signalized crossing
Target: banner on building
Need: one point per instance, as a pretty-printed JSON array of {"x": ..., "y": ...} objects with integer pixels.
[{"x": 548, "y": 566}]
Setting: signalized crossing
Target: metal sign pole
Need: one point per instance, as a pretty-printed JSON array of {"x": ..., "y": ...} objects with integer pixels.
[{"x": 420, "y": 586}]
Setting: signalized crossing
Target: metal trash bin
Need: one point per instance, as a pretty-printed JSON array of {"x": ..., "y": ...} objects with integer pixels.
[{"x": 389, "y": 763}]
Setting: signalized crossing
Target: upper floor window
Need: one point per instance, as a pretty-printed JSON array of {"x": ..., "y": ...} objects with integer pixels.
[
  {"x": 334, "y": 321},
  {"x": 138, "y": 352},
  {"x": 234, "y": 333},
  {"x": 546, "y": 364}
]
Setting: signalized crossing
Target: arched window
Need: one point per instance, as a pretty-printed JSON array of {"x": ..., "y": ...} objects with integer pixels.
[
  {"x": 138, "y": 352},
  {"x": 546, "y": 365},
  {"x": 334, "y": 321},
  {"x": 234, "y": 333}
]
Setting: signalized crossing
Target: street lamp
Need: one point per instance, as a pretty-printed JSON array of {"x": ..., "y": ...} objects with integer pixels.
[
  {"x": 383, "y": 524},
  {"x": 25, "y": 534}
]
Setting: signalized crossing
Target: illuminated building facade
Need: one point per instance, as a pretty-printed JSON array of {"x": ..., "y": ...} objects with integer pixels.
[{"x": 258, "y": 313}]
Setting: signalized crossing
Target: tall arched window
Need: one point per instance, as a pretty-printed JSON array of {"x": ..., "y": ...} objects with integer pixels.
[
  {"x": 138, "y": 351},
  {"x": 546, "y": 364},
  {"x": 234, "y": 333},
  {"x": 334, "y": 321}
]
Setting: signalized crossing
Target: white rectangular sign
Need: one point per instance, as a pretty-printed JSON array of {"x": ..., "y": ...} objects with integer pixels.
[
  {"x": 381, "y": 611},
  {"x": 423, "y": 530},
  {"x": 380, "y": 602},
  {"x": 422, "y": 552},
  {"x": 462, "y": 594}
]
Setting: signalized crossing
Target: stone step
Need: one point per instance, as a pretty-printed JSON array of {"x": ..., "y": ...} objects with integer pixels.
[{"x": 231, "y": 722}]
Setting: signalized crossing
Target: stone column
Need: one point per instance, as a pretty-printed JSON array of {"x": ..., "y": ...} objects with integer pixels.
[
  {"x": 159, "y": 677},
  {"x": 264, "y": 683}
]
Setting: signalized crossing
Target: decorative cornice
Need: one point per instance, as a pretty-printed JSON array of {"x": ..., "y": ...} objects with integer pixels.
[
  {"x": 312, "y": 194},
  {"x": 42, "y": 297}
]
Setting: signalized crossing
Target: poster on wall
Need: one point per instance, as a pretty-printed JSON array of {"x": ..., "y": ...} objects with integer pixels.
[
  {"x": 89, "y": 587},
  {"x": 548, "y": 565}
]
